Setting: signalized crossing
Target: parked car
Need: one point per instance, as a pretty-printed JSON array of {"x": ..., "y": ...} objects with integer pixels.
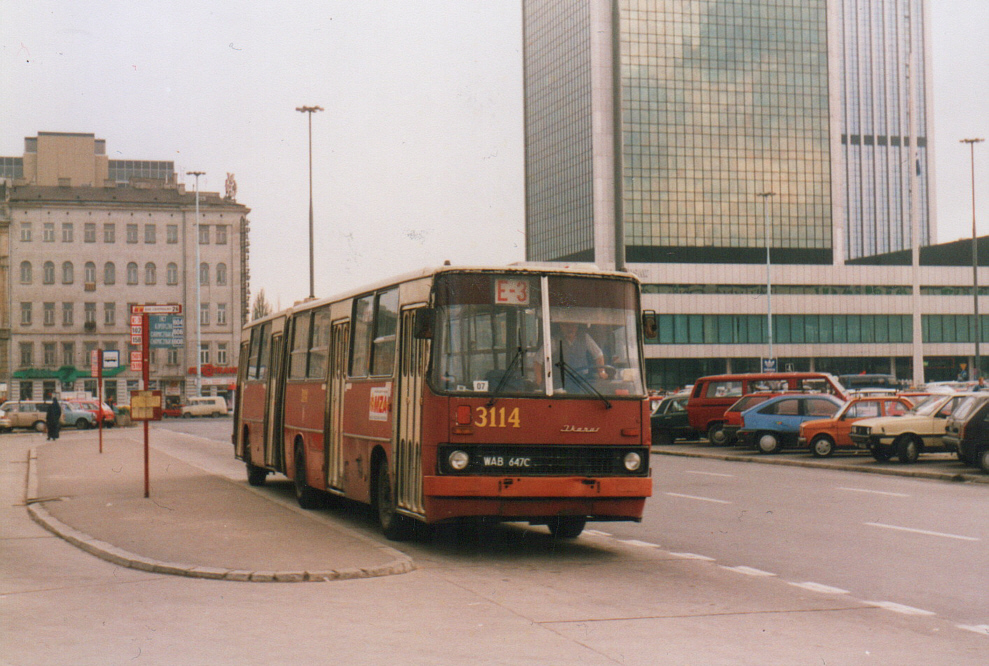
[
  {"x": 205, "y": 406},
  {"x": 100, "y": 411},
  {"x": 919, "y": 431},
  {"x": 868, "y": 381},
  {"x": 669, "y": 419},
  {"x": 72, "y": 415},
  {"x": 711, "y": 396},
  {"x": 775, "y": 423},
  {"x": 733, "y": 415},
  {"x": 967, "y": 431},
  {"x": 5, "y": 424},
  {"x": 825, "y": 435},
  {"x": 26, "y": 413}
]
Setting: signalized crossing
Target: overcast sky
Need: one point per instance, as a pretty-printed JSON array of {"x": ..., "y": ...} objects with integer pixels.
[{"x": 418, "y": 155}]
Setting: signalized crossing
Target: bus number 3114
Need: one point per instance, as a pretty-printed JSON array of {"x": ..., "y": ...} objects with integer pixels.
[{"x": 497, "y": 417}]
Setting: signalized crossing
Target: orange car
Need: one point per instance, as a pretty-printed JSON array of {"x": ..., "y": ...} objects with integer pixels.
[{"x": 823, "y": 436}]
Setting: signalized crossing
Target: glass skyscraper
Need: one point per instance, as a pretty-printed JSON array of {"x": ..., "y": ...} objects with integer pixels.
[{"x": 653, "y": 125}]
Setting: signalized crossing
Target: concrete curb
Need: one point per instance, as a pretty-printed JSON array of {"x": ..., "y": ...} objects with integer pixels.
[
  {"x": 110, "y": 553},
  {"x": 974, "y": 477}
]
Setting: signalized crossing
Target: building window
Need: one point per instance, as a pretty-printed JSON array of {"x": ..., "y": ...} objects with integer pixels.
[
  {"x": 26, "y": 272},
  {"x": 68, "y": 273},
  {"x": 49, "y": 316},
  {"x": 150, "y": 273},
  {"x": 109, "y": 273},
  {"x": 204, "y": 314},
  {"x": 25, "y": 232},
  {"x": 89, "y": 232},
  {"x": 221, "y": 353},
  {"x": 27, "y": 354},
  {"x": 204, "y": 274},
  {"x": 48, "y": 272},
  {"x": 67, "y": 234},
  {"x": 68, "y": 353},
  {"x": 67, "y": 314},
  {"x": 221, "y": 234},
  {"x": 221, "y": 313},
  {"x": 110, "y": 314},
  {"x": 172, "y": 356},
  {"x": 172, "y": 274},
  {"x": 221, "y": 274},
  {"x": 51, "y": 353},
  {"x": 90, "y": 272},
  {"x": 25, "y": 314},
  {"x": 204, "y": 234},
  {"x": 90, "y": 313},
  {"x": 204, "y": 353},
  {"x": 109, "y": 232},
  {"x": 131, "y": 233},
  {"x": 132, "y": 273},
  {"x": 150, "y": 234},
  {"x": 48, "y": 232},
  {"x": 172, "y": 234}
]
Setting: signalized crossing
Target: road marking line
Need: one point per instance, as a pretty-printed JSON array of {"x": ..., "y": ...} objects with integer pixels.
[
  {"x": 726, "y": 476},
  {"x": 927, "y": 532},
  {"x": 977, "y": 628},
  {"x": 702, "y": 499},
  {"x": 693, "y": 556},
  {"x": 596, "y": 533},
  {"x": 636, "y": 542},
  {"x": 817, "y": 587},
  {"x": 899, "y": 608},
  {"x": 874, "y": 492},
  {"x": 748, "y": 571}
]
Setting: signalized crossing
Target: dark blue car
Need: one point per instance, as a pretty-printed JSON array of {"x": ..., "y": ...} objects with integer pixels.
[{"x": 775, "y": 423}]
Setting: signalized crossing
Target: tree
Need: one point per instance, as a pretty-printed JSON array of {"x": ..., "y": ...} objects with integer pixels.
[{"x": 261, "y": 307}]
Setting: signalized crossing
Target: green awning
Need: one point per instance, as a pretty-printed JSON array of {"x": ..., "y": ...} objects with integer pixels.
[{"x": 66, "y": 374}]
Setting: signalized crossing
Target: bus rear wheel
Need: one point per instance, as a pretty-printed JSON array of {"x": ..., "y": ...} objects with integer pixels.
[
  {"x": 395, "y": 526},
  {"x": 567, "y": 527},
  {"x": 305, "y": 494}
]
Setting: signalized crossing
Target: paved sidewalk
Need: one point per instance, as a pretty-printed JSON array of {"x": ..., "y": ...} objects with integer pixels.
[{"x": 194, "y": 523}]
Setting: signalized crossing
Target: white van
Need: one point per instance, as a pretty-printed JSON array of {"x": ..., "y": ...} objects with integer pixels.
[{"x": 205, "y": 406}]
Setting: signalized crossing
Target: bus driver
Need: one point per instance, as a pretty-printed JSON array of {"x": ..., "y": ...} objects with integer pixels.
[{"x": 579, "y": 353}]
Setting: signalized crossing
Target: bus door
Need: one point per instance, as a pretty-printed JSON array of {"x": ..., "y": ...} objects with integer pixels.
[
  {"x": 413, "y": 357},
  {"x": 333, "y": 428},
  {"x": 274, "y": 410}
]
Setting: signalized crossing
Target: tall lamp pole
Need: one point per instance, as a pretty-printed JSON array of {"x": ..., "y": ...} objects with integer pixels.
[
  {"x": 976, "y": 372},
  {"x": 769, "y": 282},
  {"x": 312, "y": 279},
  {"x": 199, "y": 284}
]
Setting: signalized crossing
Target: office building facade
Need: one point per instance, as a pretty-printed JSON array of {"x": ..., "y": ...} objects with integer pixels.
[
  {"x": 652, "y": 129},
  {"x": 90, "y": 237}
]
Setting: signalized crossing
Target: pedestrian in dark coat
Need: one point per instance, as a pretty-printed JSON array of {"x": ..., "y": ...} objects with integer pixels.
[{"x": 53, "y": 419}]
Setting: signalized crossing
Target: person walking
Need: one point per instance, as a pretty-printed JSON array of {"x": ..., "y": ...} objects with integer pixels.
[{"x": 53, "y": 419}]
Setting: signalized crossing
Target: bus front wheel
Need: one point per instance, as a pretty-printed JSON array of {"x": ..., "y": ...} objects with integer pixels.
[
  {"x": 567, "y": 527},
  {"x": 395, "y": 526}
]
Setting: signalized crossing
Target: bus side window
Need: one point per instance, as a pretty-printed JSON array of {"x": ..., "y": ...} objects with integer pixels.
[
  {"x": 300, "y": 346},
  {"x": 385, "y": 333},
  {"x": 265, "y": 352},
  {"x": 360, "y": 350}
]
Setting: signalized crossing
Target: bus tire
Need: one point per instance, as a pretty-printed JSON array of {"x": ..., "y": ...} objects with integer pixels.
[
  {"x": 305, "y": 494},
  {"x": 395, "y": 526},
  {"x": 567, "y": 527}
]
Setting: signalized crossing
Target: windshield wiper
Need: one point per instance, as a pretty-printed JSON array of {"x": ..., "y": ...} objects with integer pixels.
[
  {"x": 581, "y": 381},
  {"x": 519, "y": 355}
]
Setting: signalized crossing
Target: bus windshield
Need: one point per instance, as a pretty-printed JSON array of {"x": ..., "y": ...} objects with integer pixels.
[{"x": 495, "y": 332}]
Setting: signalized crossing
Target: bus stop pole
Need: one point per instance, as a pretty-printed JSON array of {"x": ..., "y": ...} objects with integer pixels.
[
  {"x": 146, "y": 378},
  {"x": 99, "y": 394}
]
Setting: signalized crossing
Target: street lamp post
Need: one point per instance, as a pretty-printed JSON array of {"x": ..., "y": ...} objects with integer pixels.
[
  {"x": 312, "y": 280},
  {"x": 769, "y": 281},
  {"x": 976, "y": 372},
  {"x": 199, "y": 283}
]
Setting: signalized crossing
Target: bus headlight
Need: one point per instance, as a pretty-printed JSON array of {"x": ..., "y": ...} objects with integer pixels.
[
  {"x": 458, "y": 460},
  {"x": 633, "y": 461}
]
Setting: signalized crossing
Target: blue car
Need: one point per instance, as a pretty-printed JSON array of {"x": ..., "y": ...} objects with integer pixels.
[{"x": 775, "y": 423}]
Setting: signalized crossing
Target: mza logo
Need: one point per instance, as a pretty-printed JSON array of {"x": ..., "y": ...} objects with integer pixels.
[{"x": 380, "y": 400}]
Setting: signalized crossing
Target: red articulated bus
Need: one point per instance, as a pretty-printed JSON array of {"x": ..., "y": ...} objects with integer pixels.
[{"x": 512, "y": 394}]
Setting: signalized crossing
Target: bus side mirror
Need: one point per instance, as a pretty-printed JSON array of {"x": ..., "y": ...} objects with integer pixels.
[
  {"x": 422, "y": 327},
  {"x": 650, "y": 326}
]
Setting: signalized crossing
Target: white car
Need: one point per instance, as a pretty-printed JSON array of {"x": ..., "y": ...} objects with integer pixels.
[
  {"x": 205, "y": 406},
  {"x": 918, "y": 431}
]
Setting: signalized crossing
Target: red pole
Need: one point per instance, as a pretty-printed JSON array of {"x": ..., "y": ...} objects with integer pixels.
[
  {"x": 146, "y": 377},
  {"x": 99, "y": 394}
]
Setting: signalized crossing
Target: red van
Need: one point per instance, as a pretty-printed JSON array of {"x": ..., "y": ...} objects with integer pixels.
[{"x": 713, "y": 395}]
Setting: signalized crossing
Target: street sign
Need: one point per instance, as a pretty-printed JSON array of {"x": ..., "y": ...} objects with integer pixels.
[
  {"x": 166, "y": 331},
  {"x": 135, "y": 361},
  {"x": 145, "y": 406},
  {"x": 769, "y": 365},
  {"x": 111, "y": 359}
]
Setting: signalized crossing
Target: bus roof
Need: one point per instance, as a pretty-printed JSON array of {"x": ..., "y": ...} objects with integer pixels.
[{"x": 534, "y": 268}]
